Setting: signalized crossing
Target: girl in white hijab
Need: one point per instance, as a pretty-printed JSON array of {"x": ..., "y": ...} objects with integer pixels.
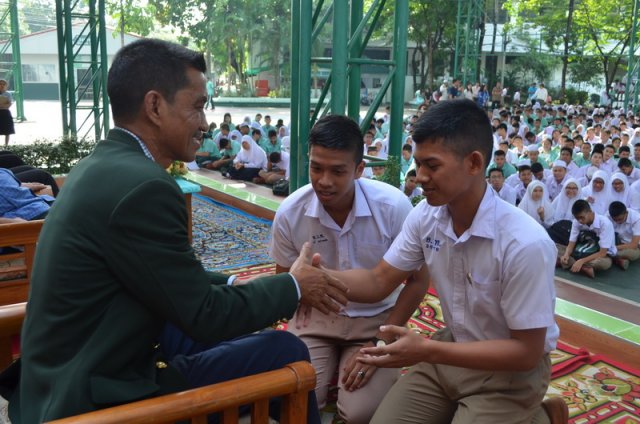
[
  {"x": 563, "y": 202},
  {"x": 249, "y": 160},
  {"x": 620, "y": 189},
  {"x": 597, "y": 192},
  {"x": 537, "y": 205}
]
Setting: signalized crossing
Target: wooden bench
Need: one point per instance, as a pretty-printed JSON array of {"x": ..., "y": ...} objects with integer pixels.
[
  {"x": 292, "y": 383},
  {"x": 14, "y": 279}
]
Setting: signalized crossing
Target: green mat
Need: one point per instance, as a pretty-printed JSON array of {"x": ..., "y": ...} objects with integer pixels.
[{"x": 625, "y": 284}]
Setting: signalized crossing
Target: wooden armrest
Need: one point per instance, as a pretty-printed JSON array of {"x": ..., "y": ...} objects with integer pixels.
[
  {"x": 21, "y": 233},
  {"x": 15, "y": 287},
  {"x": 292, "y": 382}
]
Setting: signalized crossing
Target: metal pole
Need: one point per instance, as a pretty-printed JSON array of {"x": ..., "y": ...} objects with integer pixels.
[
  {"x": 62, "y": 66},
  {"x": 71, "y": 77},
  {"x": 355, "y": 76},
  {"x": 17, "y": 62},
  {"x": 305, "y": 91},
  {"x": 632, "y": 58},
  {"x": 104, "y": 60},
  {"x": 295, "y": 91},
  {"x": 397, "y": 87},
  {"x": 339, "y": 53},
  {"x": 457, "y": 52}
]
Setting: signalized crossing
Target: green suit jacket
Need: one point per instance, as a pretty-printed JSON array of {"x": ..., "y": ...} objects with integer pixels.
[{"x": 113, "y": 265}]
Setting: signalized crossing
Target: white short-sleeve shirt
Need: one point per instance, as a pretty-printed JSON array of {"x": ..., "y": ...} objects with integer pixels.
[
  {"x": 603, "y": 229},
  {"x": 629, "y": 228},
  {"x": 496, "y": 277},
  {"x": 374, "y": 222}
]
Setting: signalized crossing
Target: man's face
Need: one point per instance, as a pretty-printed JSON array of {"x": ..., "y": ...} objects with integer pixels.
[
  {"x": 496, "y": 179},
  {"x": 565, "y": 156},
  {"x": 410, "y": 184},
  {"x": 636, "y": 153},
  {"x": 258, "y": 117},
  {"x": 585, "y": 218},
  {"x": 182, "y": 122},
  {"x": 626, "y": 170},
  {"x": 332, "y": 174},
  {"x": 499, "y": 161},
  {"x": 273, "y": 139},
  {"x": 267, "y": 120},
  {"x": 586, "y": 150},
  {"x": 559, "y": 173},
  {"x": 525, "y": 176},
  {"x": 620, "y": 219},
  {"x": 406, "y": 155},
  {"x": 596, "y": 159},
  {"x": 443, "y": 176},
  {"x": 533, "y": 155},
  {"x": 539, "y": 175},
  {"x": 608, "y": 152},
  {"x": 368, "y": 138},
  {"x": 256, "y": 137},
  {"x": 244, "y": 130}
]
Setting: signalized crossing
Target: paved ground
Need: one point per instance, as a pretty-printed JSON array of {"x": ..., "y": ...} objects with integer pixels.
[{"x": 44, "y": 119}]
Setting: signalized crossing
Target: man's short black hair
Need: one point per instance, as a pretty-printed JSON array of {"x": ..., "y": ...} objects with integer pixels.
[
  {"x": 460, "y": 125},
  {"x": 275, "y": 157},
  {"x": 273, "y": 133},
  {"x": 626, "y": 162},
  {"x": 410, "y": 173},
  {"x": 567, "y": 149},
  {"x": 499, "y": 153},
  {"x": 617, "y": 209},
  {"x": 337, "y": 132},
  {"x": 522, "y": 168},
  {"x": 579, "y": 207},
  {"x": 144, "y": 65},
  {"x": 407, "y": 148},
  {"x": 624, "y": 149},
  {"x": 492, "y": 170},
  {"x": 224, "y": 142},
  {"x": 256, "y": 131},
  {"x": 536, "y": 167}
]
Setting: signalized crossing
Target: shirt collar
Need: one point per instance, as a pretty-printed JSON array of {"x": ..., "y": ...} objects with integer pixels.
[
  {"x": 483, "y": 224},
  {"x": 596, "y": 221},
  {"x": 143, "y": 146},
  {"x": 360, "y": 204}
]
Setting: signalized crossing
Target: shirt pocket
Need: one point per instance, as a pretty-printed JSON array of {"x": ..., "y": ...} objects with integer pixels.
[{"x": 483, "y": 296}]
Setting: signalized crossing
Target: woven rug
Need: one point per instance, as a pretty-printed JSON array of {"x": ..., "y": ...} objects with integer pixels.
[{"x": 596, "y": 389}]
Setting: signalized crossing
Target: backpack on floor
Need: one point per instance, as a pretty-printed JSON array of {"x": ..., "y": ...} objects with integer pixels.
[
  {"x": 281, "y": 188},
  {"x": 587, "y": 244}
]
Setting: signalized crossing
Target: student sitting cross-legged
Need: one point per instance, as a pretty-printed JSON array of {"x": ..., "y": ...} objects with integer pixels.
[{"x": 626, "y": 224}]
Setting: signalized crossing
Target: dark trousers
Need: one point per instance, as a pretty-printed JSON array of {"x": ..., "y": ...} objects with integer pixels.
[
  {"x": 9, "y": 160},
  {"x": 29, "y": 174},
  {"x": 245, "y": 174},
  {"x": 209, "y": 102},
  {"x": 203, "y": 364}
]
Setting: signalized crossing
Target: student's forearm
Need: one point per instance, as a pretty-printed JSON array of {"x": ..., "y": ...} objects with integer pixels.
[
  {"x": 408, "y": 300},
  {"x": 570, "y": 247},
  {"x": 371, "y": 286},
  {"x": 600, "y": 254}
]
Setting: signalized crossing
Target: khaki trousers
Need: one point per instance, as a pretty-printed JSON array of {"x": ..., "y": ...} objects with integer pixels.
[
  {"x": 332, "y": 339},
  {"x": 439, "y": 394},
  {"x": 631, "y": 254},
  {"x": 599, "y": 264}
]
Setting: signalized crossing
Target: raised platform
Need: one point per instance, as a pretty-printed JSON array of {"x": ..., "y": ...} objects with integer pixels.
[{"x": 600, "y": 321}]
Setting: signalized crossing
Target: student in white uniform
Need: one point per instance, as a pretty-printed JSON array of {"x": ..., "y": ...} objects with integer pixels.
[
  {"x": 537, "y": 205},
  {"x": 505, "y": 191},
  {"x": 584, "y": 218},
  {"x": 555, "y": 182},
  {"x": 491, "y": 364},
  {"x": 626, "y": 223},
  {"x": 620, "y": 190},
  {"x": 597, "y": 192},
  {"x": 351, "y": 222},
  {"x": 563, "y": 203}
]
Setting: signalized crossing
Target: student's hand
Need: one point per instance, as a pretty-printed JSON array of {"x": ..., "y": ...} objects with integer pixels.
[
  {"x": 540, "y": 211},
  {"x": 34, "y": 187},
  {"x": 238, "y": 165},
  {"x": 590, "y": 199},
  {"x": 408, "y": 349},
  {"x": 577, "y": 265},
  {"x": 47, "y": 190},
  {"x": 564, "y": 259},
  {"x": 357, "y": 374},
  {"x": 317, "y": 287}
]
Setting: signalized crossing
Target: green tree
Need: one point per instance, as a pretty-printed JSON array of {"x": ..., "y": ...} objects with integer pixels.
[{"x": 131, "y": 16}]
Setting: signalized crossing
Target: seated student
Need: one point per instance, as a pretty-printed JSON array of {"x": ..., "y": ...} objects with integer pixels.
[
  {"x": 9, "y": 160},
  {"x": 248, "y": 162},
  {"x": 564, "y": 201},
  {"x": 597, "y": 193},
  {"x": 223, "y": 133},
  {"x": 500, "y": 162},
  {"x": 566, "y": 155},
  {"x": 228, "y": 151},
  {"x": 525, "y": 176},
  {"x": 584, "y": 218},
  {"x": 609, "y": 162},
  {"x": 539, "y": 173},
  {"x": 626, "y": 167},
  {"x": 208, "y": 151},
  {"x": 533, "y": 154},
  {"x": 555, "y": 182},
  {"x": 537, "y": 205},
  {"x": 505, "y": 191},
  {"x": 277, "y": 169},
  {"x": 22, "y": 201},
  {"x": 410, "y": 187},
  {"x": 620, "y": 190},
  {"x": 272, "y": 143},
  {"x": 406, "y": 158},
  {"x": 626, "y": 224}
]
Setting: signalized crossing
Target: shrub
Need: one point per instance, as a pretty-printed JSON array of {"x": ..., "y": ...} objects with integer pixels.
[{"x": 56, "y": 156}]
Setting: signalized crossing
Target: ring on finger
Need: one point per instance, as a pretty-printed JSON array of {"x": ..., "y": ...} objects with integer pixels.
[{"x": 360, "y": 374}]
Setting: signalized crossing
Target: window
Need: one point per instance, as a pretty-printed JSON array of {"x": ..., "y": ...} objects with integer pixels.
[{"x": 39, "y": 73}]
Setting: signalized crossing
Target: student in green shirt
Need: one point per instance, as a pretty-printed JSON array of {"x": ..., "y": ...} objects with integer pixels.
[
  {"x": 272, "y": 144},
  {"x": 228, "y": 151},
  {"x": 208, "y": 152},
  {"x": 500, "y": 162},
  {"x": 584, "y": 157}
]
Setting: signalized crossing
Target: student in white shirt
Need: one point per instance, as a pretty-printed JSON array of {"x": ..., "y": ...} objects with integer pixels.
[
  {"x": 555, "y": 182},
  {"x": 620, "y": 190},
  {"x": 564, "y": 201},
  {"x": 498, "y": 304},
  {"x": 505, "y": 191},
  {"x": 277, "y": 168},
  {"x": 584, "y": 218},
  {"x": 537, "y": 205},
  {"x": 351, "y": 222},
  {"x": 626, "y": 167},
  {"x": 626, "y": 223},
  {"x": 597, "y": 192}
]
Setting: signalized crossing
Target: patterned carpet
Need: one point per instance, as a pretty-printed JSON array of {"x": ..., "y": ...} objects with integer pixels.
[{"x": 596, "y": 389}]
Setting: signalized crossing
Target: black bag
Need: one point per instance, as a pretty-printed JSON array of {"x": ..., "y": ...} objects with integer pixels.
[
  {"x": 281, "y": 188},
  {"x": 560, "y": 232},
  {"x": 587, "y": 244}
]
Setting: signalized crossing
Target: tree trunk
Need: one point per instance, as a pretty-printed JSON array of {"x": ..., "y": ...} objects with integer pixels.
[
  {"x": 414, "y": 67},
  {"x": 565, "y": 53},
  {"x": 430, "y": 65}
]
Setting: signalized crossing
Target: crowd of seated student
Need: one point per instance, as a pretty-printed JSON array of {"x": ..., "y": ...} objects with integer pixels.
[{"x": 572, "y": 170}]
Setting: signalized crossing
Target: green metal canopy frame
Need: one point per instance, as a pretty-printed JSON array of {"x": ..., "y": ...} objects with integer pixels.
[
  {"x": 12, "y": 68},
  {"x": 352, "y": 29}
]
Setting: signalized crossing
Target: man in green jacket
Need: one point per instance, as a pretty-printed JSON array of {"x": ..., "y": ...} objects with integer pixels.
[{"x": 115, "y": 274}]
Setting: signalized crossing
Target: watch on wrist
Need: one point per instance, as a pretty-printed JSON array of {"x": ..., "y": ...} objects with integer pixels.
[{"x": 377, "y": 342}]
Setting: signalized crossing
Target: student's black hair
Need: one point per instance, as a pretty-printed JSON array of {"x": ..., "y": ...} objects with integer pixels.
[
  {"x": 145, "y": 65},
  {"x": 337, "y": 132},
  {"x": 224, "y": 126},
  {"x": 273, "y": 133},
  {"x": 460, "y": 125},
  {"x": 616, "y": 209},
  {"x": 502, "y": 126},
  {"x": 224, "y": 142},
  {"x": 499, "y": 153},
  {"x": 609, "y": 146},
  {"x": 580, "y": 206},
  {"x": 407, "y": 148},
  {"x": 598, "y": 147},
  {"x": 275, "y": 157},
  {"x": 624, "y": 162},
  {"x": 496, "y": 170},
  {"x": 410, "y": 173},
  {"x": 597, "y": 152},
  {"x": 567, "y": 149},
  {"x": 267, "y": 116},
  {"x": 256, "y": 131},
  {"x": 624, "y": 149},
  {"x": 522, "y": 168},
  {"x": 536, "y": 167}
]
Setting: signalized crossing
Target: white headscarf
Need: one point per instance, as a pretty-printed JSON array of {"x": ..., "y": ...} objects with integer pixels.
[
  {"x": 625, "y": 196},
  {"x": 562, "y": 204},
  {"x": 255, "y": 157},
  {"x": 602, "y": 198},
  {"x": 531, "y": 206}
]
